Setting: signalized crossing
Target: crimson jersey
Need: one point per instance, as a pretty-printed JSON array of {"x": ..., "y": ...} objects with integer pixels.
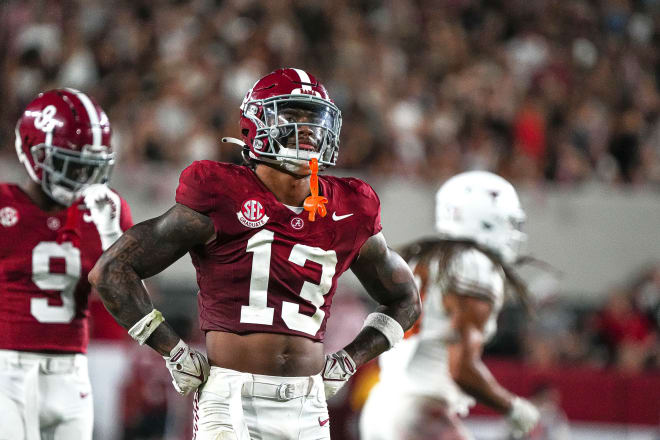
[
  {"x": 43, "y": 274},
  {"x": 269, "y": 269}
]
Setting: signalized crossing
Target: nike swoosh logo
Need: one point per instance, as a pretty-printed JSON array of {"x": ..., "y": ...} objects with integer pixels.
[
  {"x": 199, "y": 376},
  {"x": 323, "y": 422},
  {"x": 336, "y": 217},
  {"x": 83, "y": 395},
  {"x": 198, "y": 366}
]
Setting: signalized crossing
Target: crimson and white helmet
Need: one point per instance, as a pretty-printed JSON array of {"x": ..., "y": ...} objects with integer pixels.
[
  {"x": 63, "y": 139},
  {"x": 484, "y": 208},
  {"x": 287, "y": 118}
]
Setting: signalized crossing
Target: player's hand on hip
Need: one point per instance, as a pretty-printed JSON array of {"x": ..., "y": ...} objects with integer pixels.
[
  {"x": 523, "y": 417},
  {"x": 104, "y": 209},
  {"x": 339, "y": 367},
  {"x": 188, "y": 367}
]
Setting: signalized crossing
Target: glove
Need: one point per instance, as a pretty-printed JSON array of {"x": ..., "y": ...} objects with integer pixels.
[
  {"x": 188, "y": 367},
  {"x": 522, "y": 417},
  {"x": 104, "y": 207},
  {"x": 338, "y": 368}
]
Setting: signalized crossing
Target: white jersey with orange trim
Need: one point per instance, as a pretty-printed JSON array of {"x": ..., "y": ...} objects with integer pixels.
[{"x": 419, "y": 364}]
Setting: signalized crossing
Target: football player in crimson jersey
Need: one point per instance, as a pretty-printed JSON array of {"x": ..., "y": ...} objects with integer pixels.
[
  {"x": 52, "y": 230},
  {"x": 267, "y": 270},
  {"x": 436, "y": 374}
]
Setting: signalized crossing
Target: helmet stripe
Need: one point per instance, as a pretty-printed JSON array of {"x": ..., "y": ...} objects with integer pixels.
[
  {"x": 93, "y": 116},
  {"x": 304, "y": 78}
]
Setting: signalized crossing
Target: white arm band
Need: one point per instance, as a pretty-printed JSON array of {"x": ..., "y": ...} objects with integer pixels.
[
  {"x": 387, "y": 325},
  {"x": 146, "y": 326}
]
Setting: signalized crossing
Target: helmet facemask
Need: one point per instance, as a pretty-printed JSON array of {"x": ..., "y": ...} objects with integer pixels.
[
  {"x": 511, "y": 242},
  {"x": 293, "y": 129},
  {"x": 66, "y": 173}
]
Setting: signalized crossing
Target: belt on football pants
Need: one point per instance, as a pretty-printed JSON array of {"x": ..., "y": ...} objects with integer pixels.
[{"x": 281, "y": 391}]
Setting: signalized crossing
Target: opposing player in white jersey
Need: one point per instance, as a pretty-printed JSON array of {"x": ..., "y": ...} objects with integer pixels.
[
  {"x": 436, "y": 374},
  {"x": 53, "y": 228}
]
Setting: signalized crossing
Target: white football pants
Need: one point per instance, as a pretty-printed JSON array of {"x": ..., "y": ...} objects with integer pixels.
[
  {"x": 391, "y": 413},
  {"x": 242, "y": 406},
  {"x": 44, "y": 396}
]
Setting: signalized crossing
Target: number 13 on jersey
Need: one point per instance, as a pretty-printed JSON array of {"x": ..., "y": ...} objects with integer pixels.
[{"x": 257, "y": 310}]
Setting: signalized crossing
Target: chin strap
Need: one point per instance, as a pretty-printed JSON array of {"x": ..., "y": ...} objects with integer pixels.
[
  {"x": 249, "y": 156},
  {"x": 315, "y": 203},
  {"x": 231, "y": 140}
]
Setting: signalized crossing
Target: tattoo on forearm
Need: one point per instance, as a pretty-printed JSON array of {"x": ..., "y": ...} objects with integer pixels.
[
  {"x": 120, "y": 287},
  {"x": 368, "y": 344},
  {"x": 388, "y": 279},
  {"x": 142, "y": 251}
]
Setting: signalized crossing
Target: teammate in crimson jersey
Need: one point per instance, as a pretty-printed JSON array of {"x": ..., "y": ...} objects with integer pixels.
[
  {"x": 52, "y": 231},
  {"x": 269, "y": 240}
]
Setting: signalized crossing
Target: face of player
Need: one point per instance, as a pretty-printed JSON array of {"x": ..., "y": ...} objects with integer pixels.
[
  {"x": 309, "y": 123},
  {"x": 302, "y": 125},
  {"x": 67, "y": 175}
]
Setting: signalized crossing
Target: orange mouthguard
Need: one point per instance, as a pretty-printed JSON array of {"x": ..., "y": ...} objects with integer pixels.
[{"x": 315, "y": 203}]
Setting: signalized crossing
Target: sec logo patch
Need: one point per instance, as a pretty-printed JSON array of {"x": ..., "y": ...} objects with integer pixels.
[
  {"x": 8, "y": 216},
  {"x": 252, "y": 214}
]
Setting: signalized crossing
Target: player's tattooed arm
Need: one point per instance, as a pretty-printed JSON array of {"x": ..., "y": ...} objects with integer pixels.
[
  {"x": 388, "y": 280},
  {"x": 143, "y": 251}
]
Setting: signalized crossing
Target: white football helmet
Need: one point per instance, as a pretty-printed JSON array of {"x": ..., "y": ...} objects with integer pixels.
[{"x": 484, "y": 208}]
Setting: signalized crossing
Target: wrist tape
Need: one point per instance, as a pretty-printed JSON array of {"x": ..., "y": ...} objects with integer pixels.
[
  {"x": 146, "y": 326},
  {"x": 387, "y": 325}
]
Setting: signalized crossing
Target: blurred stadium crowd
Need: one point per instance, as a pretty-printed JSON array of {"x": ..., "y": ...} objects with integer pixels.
[
  {"x": 538, "y": 91},
  {"x": 622, "y": 333}
]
